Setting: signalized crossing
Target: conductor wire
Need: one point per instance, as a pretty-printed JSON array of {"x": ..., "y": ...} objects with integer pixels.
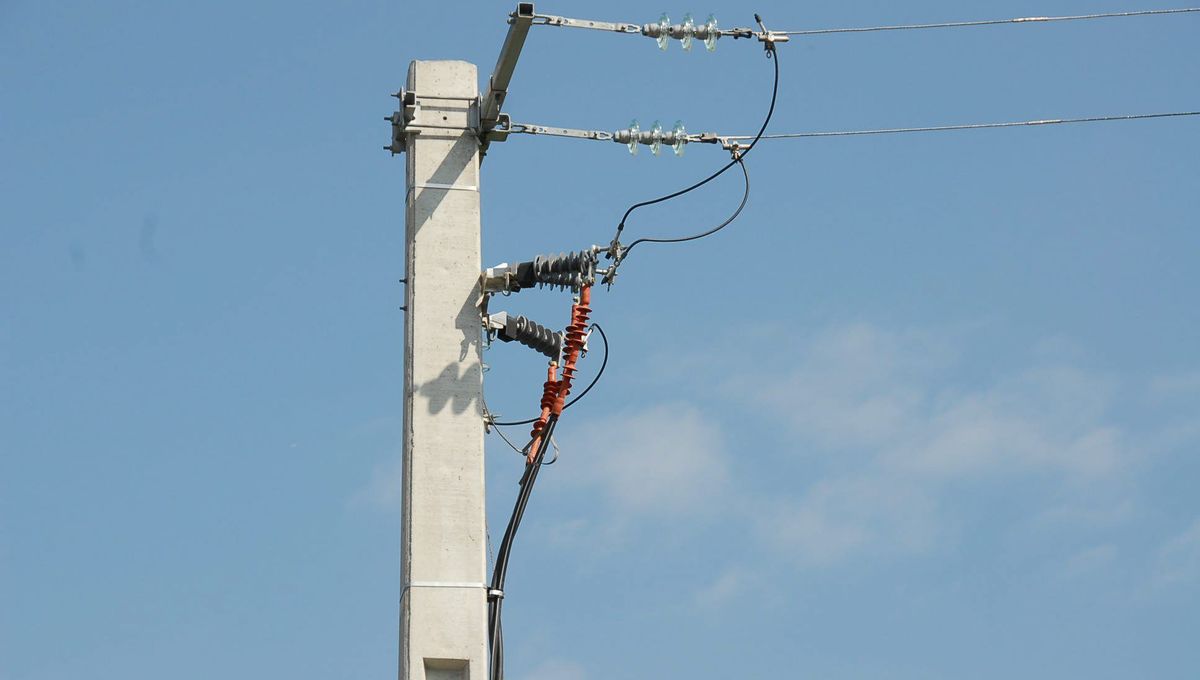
[
  {"x": 967, "y": 126},
  {"x": 992, "y": 22}
]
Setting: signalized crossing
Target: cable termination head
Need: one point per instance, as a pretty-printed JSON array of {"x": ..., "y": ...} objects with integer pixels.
[
  {"x": 517, "y": 328},
  {"x": 564, "y": 270}
]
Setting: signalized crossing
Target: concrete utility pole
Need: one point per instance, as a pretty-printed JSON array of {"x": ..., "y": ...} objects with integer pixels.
[
  {"x": 443, "y": 605},
  {"x": 444, "y": 127}
]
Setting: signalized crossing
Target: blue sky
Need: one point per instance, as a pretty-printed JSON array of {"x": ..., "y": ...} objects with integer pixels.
[{"x": 927, "y": 410}]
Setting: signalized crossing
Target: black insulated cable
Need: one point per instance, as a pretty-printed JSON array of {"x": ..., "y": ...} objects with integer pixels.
[
  {"x": 581, "y": 395},
  {"x": 774, "y": 54},
  {"x": 500, "y": 572},
  {"x": 710, "y": 232}
]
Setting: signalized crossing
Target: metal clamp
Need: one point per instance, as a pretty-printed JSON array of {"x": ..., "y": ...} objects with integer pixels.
[
  {"x": 408, "y": 121},
  {"x": 769, "y": 38},
  {"x": 442, "y": 584},
  {"x": 400, "y": 121}
]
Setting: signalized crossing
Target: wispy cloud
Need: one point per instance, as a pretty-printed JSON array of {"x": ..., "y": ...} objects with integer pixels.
[
  {"x": 729, "y": 584},
  {"x": 890, "y": 431},
  {"x": 897, "y": 435},
  {"x": 1178, "y": 560},
  {"x": 1089, "y": 560},
  {"x": 1176, "y": 385},
  {"x": 887, "y": 394},
  {"x": 665, "y": 460},
  {"x": 851, "y": 515}
]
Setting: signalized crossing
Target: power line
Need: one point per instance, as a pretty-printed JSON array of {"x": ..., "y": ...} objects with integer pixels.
[
  {"x": 992, "y": 22},
  {"x": 708, "y": 32},
  {"x": 969, "y": 126},
  {"x": 713, "y": 138}
]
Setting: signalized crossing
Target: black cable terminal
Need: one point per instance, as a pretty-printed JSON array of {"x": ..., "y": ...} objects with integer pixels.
[
  {"x": 581, "y": 395},
  {"x": 530, "y": 333},
  {"x": 564, "y": 270}
]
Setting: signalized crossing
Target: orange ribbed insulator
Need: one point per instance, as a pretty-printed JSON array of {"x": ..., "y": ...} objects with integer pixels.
[
  {"x": 550, "y": 391},
  {"x": 573, "y": 339}
]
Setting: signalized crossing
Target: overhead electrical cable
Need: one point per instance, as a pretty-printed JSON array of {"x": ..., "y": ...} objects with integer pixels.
[
  {"x": 992, "y": 22},
  {"x": 968, "y": 126},
  {"x": 713, "y": 138},
  {"x": 709, "y": 32},
  {"x": 710, "y": 232}
]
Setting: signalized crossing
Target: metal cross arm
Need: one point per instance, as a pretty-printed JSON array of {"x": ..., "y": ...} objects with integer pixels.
[{"x": 489, "y": 107}]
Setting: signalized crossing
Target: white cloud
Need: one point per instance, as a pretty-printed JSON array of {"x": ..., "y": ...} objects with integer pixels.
[
  {"x": 891, "y": 436},
  {"x": 1178, "y": 562},
  {"x": 852, "y": 385},
  {"x": 667, "y": 459},
  {"x": 835, "y": 519},
  {"x": 878, "y": 405},
  {"x": 878, "y": 393},
  {"x": 1089, "y": 560},
  {"x": 1086, "y": 515},
  {"x": 727, "y": 586},
  {"x": 894, "y": 435},
  {"x": 1176, "y": 385},
  {"x": 1007, "y": 430}
]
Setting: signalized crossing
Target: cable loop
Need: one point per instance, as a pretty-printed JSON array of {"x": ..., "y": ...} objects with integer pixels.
[
  {"x": 581, "y": 395},
  {"x": 617, "y": 253}
]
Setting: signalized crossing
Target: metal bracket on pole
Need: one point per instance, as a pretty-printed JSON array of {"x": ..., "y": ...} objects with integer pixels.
[
  {"x": 510, "y": 328},
  {"x": 491, "y": 103},
  {"x": 484, "y": 116},
  {"x": 446, "y": 113},
  {"x": 401, "y": 120}
]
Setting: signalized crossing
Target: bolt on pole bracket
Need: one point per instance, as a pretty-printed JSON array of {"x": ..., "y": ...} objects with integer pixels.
[{"x": 444, "y": 113}]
